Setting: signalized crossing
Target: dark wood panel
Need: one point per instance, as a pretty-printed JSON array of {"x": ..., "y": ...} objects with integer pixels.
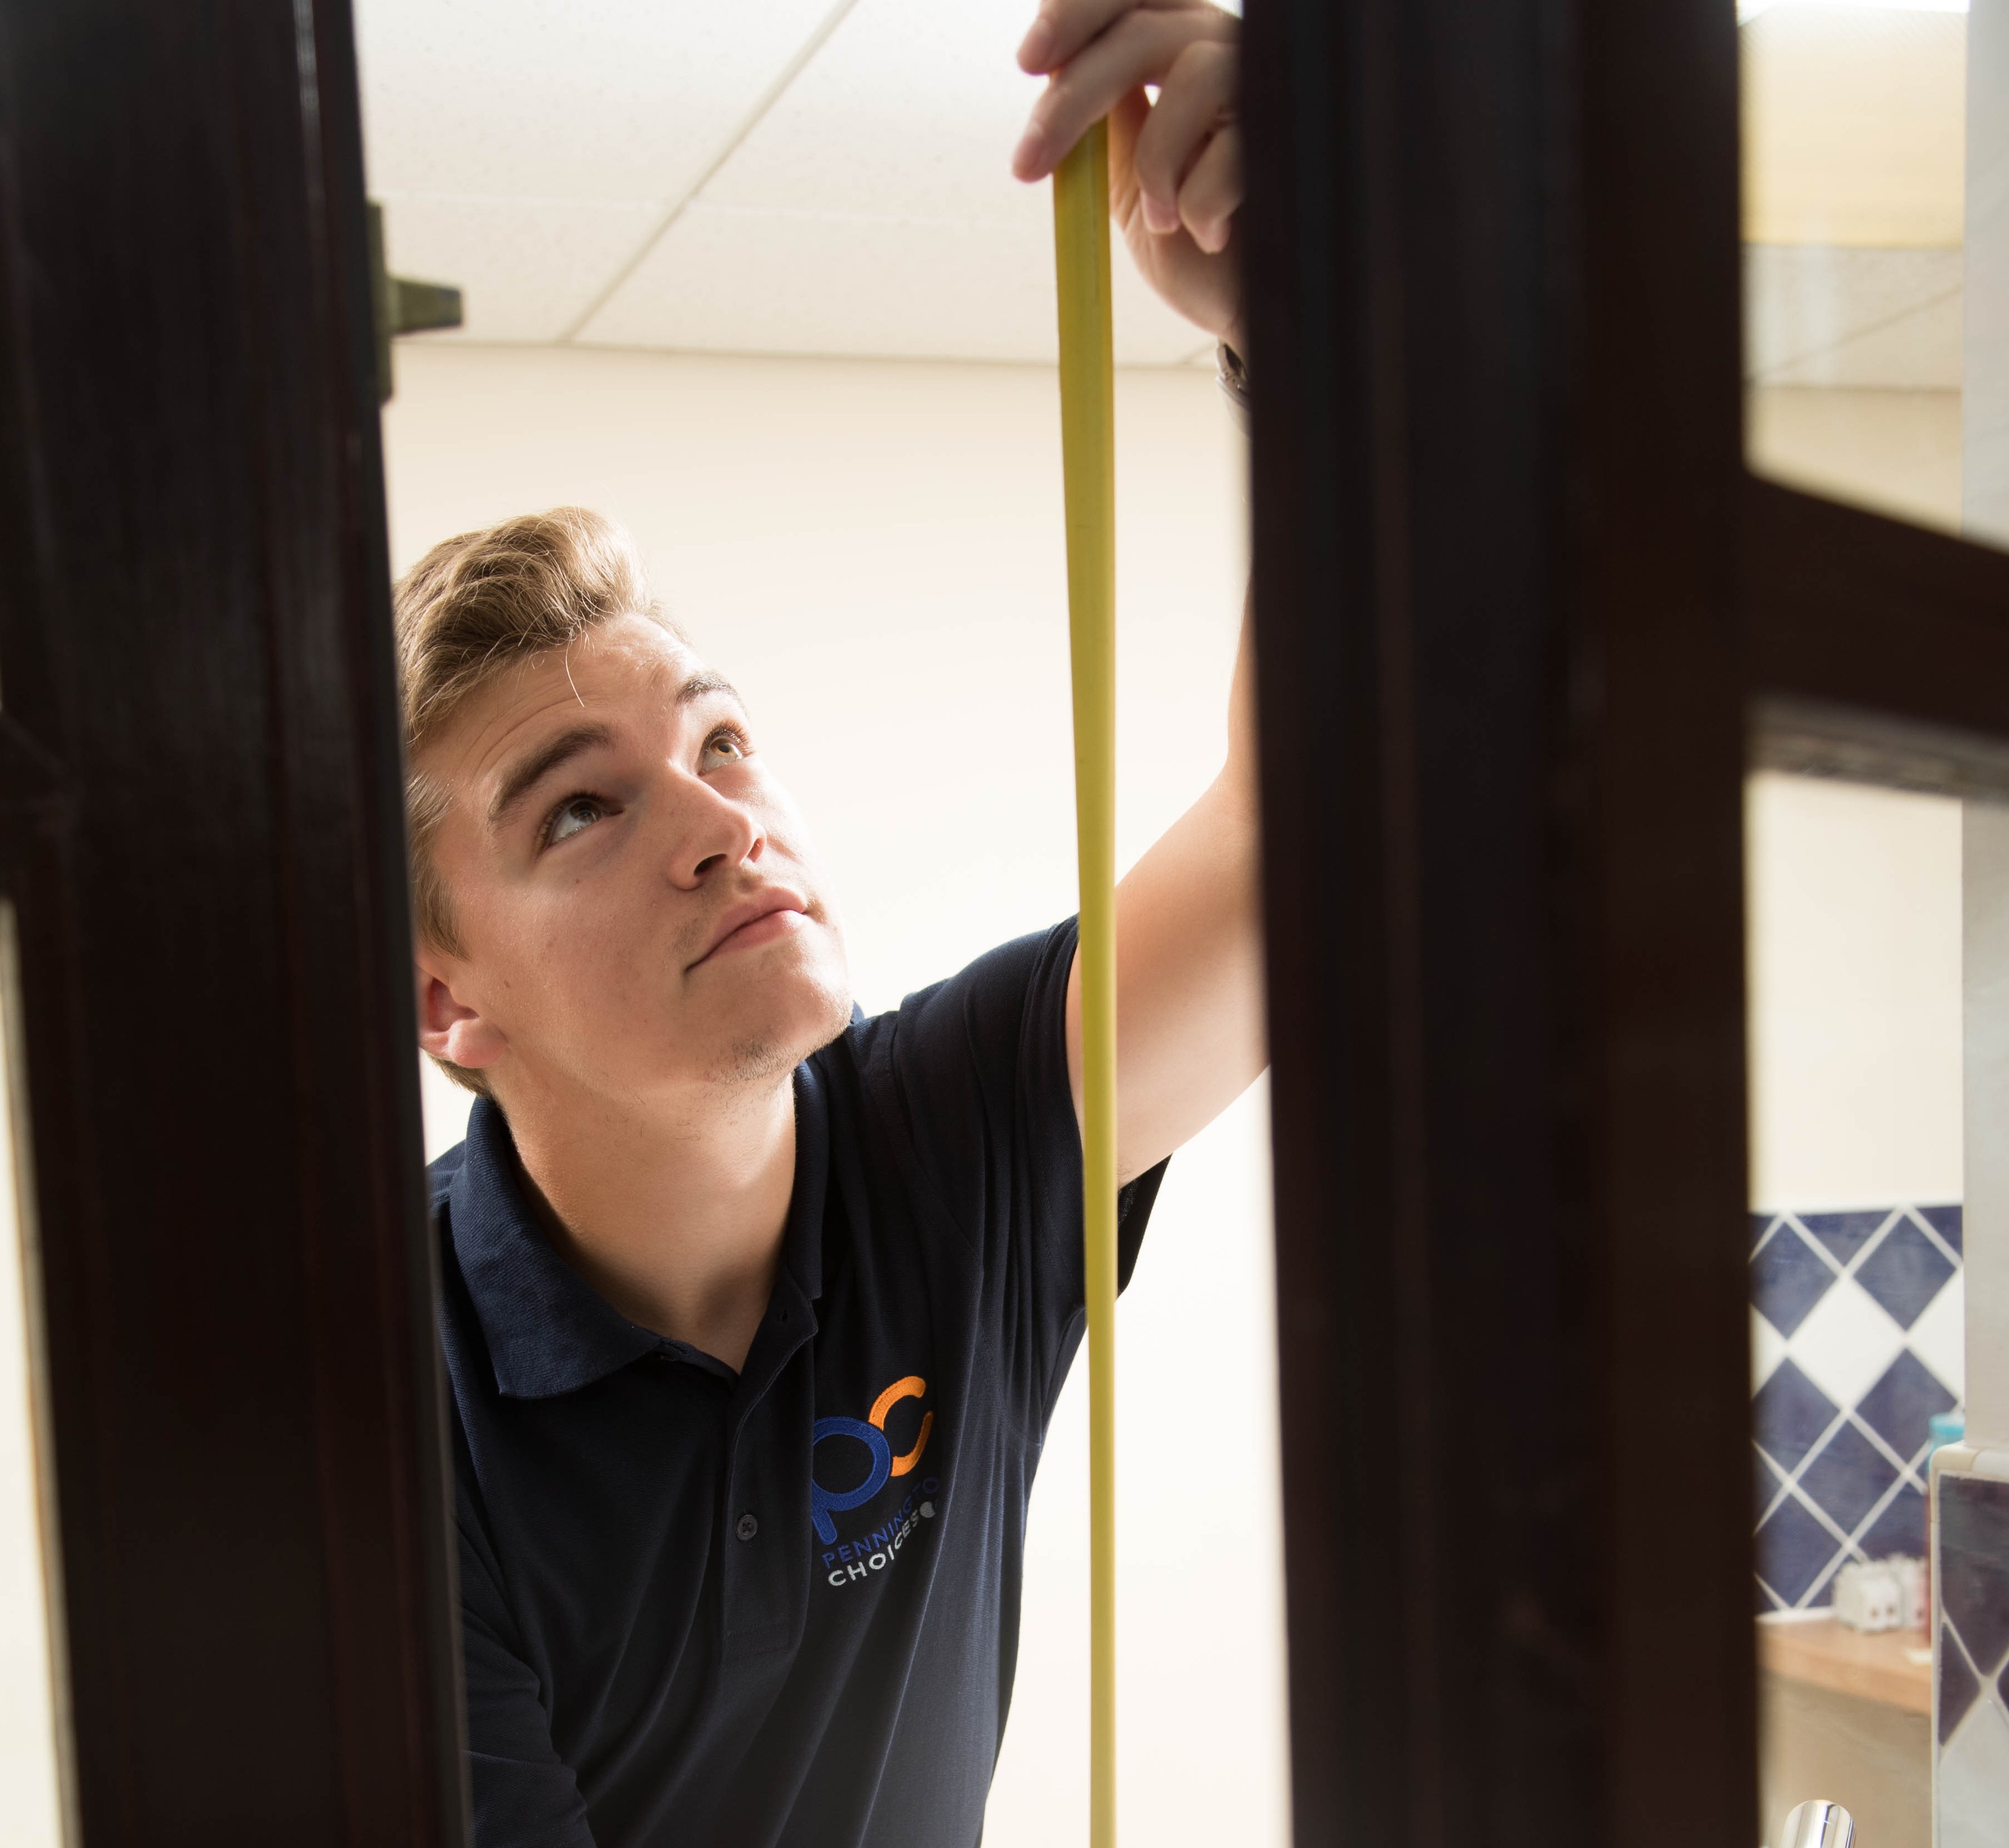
[
  {"x": 1492, "y": 263},
  {"x": 1653, "y": 687},
  {"x": 1848, "y": 610},
  {"x": 194, "y": 631}
]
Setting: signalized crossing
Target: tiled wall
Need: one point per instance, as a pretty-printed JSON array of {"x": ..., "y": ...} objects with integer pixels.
[
  {"x": 1856, "y": 1343},
  {"x": 1971, "y": 1715}
]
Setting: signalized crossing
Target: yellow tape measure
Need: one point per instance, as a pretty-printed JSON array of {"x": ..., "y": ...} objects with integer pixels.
[{"x": 1088, "y": 451}]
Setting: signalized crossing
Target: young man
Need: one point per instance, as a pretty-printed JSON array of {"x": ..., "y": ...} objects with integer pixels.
[{"x": 755, "y": 1311}]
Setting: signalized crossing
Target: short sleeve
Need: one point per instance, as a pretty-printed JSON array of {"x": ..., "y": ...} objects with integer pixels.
[{"x": 975, "y": 1070}]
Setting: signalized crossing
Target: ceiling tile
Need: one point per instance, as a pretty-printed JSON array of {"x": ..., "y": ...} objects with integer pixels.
[
  {"x": 913, "y": 109},
  {"x": 812, "y": 282},
  {"x": 591, "y": 100},
  {"x": 1920, "y": 350},
  {"x": 1830, "y": 314},
  {"x": 872, "y": 211},
  {"x": 524, "y": 267},
  {"x": 527, "y": 155}
]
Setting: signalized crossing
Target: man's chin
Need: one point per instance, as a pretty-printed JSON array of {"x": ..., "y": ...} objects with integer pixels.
[{"x": 761, "y": 1057}]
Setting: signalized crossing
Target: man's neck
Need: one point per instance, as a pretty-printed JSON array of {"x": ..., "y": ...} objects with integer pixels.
[{"x": 677, "y": 1223}]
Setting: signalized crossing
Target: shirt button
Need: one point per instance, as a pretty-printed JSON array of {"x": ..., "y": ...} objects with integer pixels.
[{"x": 747, "y": 1527}]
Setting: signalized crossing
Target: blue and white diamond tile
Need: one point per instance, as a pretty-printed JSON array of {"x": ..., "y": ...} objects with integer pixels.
[
  {"x": 1939, "y": 1337},
  {"x": 1946, "y": 1222},
  {"x": 1900, "y": 1407},
  {"x": 1855, "y": 1343},
  {"x": 1789, "y": 1274},
  {"x": 1973, "y": 1568},
  {"x": 1796, "y": 1550},
  {"x": 1768, "y": 1348},
  {"x": 1909, "y": 1267},
  {"x": 1844, "y": 1234},
  {"x": 1899, "y": 1530},
  {"x": 1847, "y": 1343},
  {"x": 1790, "y": 1415},
  {"x": 1971, "y": 1727},
  {"x": 1959, "y": 1686},
  {"x": 1768, "y": 1481},
  {"x": 1850, "y": 1478}
]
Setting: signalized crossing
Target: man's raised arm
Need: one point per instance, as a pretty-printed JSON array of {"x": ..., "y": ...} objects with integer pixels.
[{"x": 1189, "y": 1033}]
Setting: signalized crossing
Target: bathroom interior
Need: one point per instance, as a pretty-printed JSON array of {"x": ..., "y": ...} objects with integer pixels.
[
  {"x": 1876, "y": 200},
  {"x": 781, "y": 294}
]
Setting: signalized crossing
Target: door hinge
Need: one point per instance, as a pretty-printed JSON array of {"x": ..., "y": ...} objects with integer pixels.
[{"x": 402, "y": 305}]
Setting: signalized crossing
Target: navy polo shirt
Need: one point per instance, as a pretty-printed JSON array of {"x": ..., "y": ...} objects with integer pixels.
[{"x": 778, "y": 1606}]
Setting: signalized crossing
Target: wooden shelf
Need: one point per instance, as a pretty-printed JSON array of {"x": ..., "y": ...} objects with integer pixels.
[{"x": 1894, "y": 1666}]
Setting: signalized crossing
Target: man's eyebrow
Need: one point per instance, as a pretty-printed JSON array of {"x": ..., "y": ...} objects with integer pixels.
[
  {"x": 525, "y": 774},
  {"x": 698, "y": 684}
]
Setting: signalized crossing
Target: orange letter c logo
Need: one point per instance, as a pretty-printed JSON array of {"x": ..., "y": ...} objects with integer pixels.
[{"x": 912, "y": 1387}]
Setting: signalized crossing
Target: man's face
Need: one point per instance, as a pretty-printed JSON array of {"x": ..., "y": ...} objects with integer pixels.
[{"x": 637, "y": 907}]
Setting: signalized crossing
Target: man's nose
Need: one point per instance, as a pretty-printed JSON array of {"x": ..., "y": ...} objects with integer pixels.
[{"x": 715, "y": 833}]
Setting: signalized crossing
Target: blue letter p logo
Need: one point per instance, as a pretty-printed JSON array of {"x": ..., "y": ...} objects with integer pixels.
[{"x": 823, "y": 1503}]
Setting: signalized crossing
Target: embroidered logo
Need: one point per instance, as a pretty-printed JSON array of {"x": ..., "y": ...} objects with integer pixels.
[{"x": 875, "y": 1551}]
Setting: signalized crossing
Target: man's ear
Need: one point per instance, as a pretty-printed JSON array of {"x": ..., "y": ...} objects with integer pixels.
[{"x": 448, "y": 1029}]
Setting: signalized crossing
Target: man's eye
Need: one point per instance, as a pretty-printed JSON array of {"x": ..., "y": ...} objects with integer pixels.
[
  {"x": 577, "y": 814},
  {"x": 725, "y": 747}
]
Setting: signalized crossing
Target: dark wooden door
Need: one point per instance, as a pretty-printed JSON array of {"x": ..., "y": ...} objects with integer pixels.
[
  {"x": 1523, "y": 618},
  {"x": 201, "y": 829},
  {"x": 1493, "y": 256},
  {"x": 1517, "y": 604}
]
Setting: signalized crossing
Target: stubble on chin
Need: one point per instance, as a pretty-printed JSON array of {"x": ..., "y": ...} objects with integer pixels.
[
  {"x": 763, "y": 1059},
  {"x": 751, "y": 1062}
]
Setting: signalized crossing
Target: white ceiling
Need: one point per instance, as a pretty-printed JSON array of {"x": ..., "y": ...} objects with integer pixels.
[
  {"x": 830, "y": 176},
  {"x": 1854, "y": 118},
  {"x": 1823, "y": 314},
  {"x": 794, "y": 176}
]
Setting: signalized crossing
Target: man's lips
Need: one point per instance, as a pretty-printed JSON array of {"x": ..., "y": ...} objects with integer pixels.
[{"x": 754, "y": 921}]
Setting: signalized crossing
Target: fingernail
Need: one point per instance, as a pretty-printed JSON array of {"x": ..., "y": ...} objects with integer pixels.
[
  {"x": 1159, "y": 216},
  {"x": 1037, "y": 45}
]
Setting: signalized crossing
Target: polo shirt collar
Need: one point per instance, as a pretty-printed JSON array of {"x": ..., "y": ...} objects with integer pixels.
[{"x": 548, "y": 1330}]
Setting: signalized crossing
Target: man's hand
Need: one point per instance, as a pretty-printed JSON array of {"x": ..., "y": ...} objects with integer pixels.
[{"x": 1174, "y": 166}]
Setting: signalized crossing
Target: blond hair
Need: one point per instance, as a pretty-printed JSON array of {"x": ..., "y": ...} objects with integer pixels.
[{"x": 470, "y": 609}]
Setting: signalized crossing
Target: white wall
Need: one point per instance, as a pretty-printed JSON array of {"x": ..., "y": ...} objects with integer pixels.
[
  {"x": 31, "y": 1782},
  {"x": 1892, "y": 451},
  {"x": 873, "y": 552},
  {"x": 1854, "y": 944}
]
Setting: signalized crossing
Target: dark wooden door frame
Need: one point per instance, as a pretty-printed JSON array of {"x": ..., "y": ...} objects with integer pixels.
[
  {"x": 1517, "y": 603},
  {"x": 1522, "y": 619},
  {"x": 200, "y": 826},
  {"x": 1497, "y": 483},
  {"x": 1874, "y": 649}
]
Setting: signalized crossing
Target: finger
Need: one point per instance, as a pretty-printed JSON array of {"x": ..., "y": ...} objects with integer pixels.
[
  {"x": 1198, "y": 96},
  {"x": 1139, "y": 49},
  {"x": 1126, "y": 123},
  {"x": 1063, "y": 27},
  {"x": 1212, "y": 193}
]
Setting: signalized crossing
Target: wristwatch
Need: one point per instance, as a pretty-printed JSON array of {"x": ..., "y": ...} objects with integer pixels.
[{"x": 1232, "y": 374}]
